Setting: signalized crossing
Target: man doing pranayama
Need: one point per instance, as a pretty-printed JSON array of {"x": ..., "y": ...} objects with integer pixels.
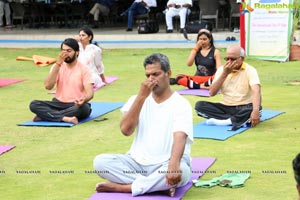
[
  {"x": 159, "y": 157},
  {"x": 240, "y": 87},
  {"x": 74, "y": 88}
]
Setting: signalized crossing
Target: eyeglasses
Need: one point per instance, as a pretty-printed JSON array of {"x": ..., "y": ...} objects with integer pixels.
[{"x": 232, "y": 59}]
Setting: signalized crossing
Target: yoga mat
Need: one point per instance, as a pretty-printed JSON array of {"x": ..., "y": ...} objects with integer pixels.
[
  {"x": 5, "y": 148},
  {"x": 98, "y": 109},
  {"x": 202, "y": 130},
  {"x": 38, "y": 60},
  {"x": 8, "y": 81},
  {"x": 199, "y": 166},
  {"x": 109, "y": 80},
  {"x": 195, "y": 92}
]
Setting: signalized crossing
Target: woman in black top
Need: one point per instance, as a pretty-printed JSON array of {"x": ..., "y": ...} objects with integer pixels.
[{"x": 206, "y": 58}]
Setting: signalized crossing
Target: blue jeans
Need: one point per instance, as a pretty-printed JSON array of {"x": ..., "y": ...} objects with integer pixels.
[{"x": 134, "y": 9}]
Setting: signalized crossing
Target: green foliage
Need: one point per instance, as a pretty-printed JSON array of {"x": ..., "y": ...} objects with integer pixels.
[
  {"x": 296, "y": 10},
  {"x": 269, "y": 147}
]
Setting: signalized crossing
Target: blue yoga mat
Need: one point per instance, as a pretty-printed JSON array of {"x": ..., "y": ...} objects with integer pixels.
[
  {"x": 98, "y": 109},
  {"x": 202, "y": 130}
]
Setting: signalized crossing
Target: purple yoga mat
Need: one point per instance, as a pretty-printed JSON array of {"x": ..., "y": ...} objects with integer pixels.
[
  {"x": 199, "y": 166},
  {"x": 9, "y": 81},
  {"x": 6, "y": 148},
  {"x": 109, "y": 80},
  {"x": 195, "y": 92}
]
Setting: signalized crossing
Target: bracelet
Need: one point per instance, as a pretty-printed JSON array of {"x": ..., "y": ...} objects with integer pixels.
[
  {"x": 59, "y": 64},
  {"x": 195, "y": 49}
]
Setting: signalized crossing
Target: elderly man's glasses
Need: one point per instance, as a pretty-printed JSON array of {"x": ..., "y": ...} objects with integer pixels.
[{"x": 231, "y": 58}]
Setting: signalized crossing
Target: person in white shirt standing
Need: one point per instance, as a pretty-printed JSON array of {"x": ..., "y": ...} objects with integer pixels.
[
  {"x": 177, "y": 8},
  {"x": 159, "y": 157}
]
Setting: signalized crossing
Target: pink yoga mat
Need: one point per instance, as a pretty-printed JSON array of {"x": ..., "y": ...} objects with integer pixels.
[
  {"x": 6, "y": 148},
  {"x": 199, "y": 166},
  {"x": 109, "y": 80},
  {"x": 9, "y": 81}
]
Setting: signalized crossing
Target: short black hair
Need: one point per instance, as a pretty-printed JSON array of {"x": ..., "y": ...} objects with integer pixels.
[
  {"x": 71, "y": 42},
  {"x": 296, "y": 167},
  {"x": 158, "y": 58}
]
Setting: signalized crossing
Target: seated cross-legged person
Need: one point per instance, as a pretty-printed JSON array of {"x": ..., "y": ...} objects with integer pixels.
[
  {"x": 240, "y": 86},
  {"x": 159, "y": 157},
  {"x": 74, "y": 88},
  {"x": 207, "y": 60}
]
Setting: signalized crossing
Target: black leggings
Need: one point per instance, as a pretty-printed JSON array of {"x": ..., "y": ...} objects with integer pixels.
[
  {"x": 238, "y": 114},
  {"x": 55, "y": 110}
]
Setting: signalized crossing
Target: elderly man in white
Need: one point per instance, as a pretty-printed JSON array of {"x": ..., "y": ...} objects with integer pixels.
[{"x": 177, "y": 8}]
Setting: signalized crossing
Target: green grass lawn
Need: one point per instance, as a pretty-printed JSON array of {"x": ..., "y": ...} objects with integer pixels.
[{"x": 270, "y": 146}]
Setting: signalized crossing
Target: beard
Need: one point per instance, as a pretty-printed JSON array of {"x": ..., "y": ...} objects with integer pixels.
[{"x": 70, "y": 59}]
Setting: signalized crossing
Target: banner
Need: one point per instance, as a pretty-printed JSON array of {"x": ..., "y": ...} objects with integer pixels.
[{"x": 268, "y": 28}]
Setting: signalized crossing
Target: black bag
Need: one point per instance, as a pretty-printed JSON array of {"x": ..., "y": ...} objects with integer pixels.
[
  {"x": 147, "y": 26},
  {"x": 195, "y": 26}
]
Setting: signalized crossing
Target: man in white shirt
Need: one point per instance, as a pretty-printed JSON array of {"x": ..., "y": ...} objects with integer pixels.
[
  {"x": 159, "y": 157},
  {"x": 138, "y": 7},
  {"x": 177, "y": 8}
]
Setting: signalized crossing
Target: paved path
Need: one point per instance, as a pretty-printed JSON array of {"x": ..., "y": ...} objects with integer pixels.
[{"x": 108, "y": 38}]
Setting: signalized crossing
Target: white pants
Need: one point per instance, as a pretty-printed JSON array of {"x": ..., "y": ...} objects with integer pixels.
[
  {"x": 171, "y": 12},
  {"x": 123, "y": 169},
  {"x": 97, "y": 9},
  {"x": 4, "y": 8}
]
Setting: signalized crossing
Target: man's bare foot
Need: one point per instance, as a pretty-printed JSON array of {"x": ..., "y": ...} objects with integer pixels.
[
  {"x": 170, "y": 192},
  {"x": 36, "y": 119},
  {"x": 72, "y": 120},
  {"x": 113, "y": 187},
  {"x": 202, "y": 86}
]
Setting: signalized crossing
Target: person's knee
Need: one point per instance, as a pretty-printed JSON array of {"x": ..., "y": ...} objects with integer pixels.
[
  {"x": 101, "y": 161},
  {"x": 186, "y": 174},
  {"x": 199, "y": 105},
  {"x": 84, "y": 111},
  {"x": 33, "y": 105}
]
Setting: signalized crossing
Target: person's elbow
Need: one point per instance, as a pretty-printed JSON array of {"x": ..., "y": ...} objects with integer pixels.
[
  {"x": 125, "y": 130},
  {"x": 91, "y": 96},
  {"x": 189, "y": 64},
  {"x": 48, "y": 86},
  {"x": 211, "y": 92}
]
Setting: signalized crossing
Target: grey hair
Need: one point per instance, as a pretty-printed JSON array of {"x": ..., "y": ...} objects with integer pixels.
[{"x": 158, "y": 58}]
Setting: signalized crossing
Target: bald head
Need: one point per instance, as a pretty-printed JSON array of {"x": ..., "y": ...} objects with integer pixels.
[{"x": 235, "y": 50}]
